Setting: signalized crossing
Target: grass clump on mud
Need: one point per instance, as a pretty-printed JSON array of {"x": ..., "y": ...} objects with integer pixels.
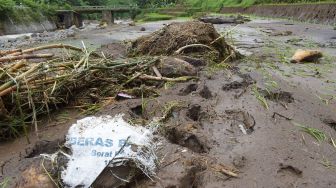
[
  {"x": 315, "y": 133},
  {"x": 147, "y": 17}
]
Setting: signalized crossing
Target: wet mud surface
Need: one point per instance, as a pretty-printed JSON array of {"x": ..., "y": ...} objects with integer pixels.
[{"x": 242, "y": 118}]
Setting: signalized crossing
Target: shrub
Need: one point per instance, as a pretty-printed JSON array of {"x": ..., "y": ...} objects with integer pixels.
[{"x": 6, "y": 6}]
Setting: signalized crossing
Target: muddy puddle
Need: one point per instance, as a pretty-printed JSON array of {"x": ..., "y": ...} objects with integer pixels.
[{"x": 241, "y": 118}]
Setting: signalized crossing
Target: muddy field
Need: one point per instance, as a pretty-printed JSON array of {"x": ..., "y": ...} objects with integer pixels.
[{"x": 244, "y": 116}]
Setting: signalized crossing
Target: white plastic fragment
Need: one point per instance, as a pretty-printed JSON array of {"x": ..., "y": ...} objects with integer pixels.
[
  {"x": 242, "y": 128},
  {"x": 95, "y": 142}
]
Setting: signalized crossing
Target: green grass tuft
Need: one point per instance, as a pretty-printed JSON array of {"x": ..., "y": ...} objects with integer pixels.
[
  {"x": 315, "y": 133},
  {"x": 155, "y": 17}
]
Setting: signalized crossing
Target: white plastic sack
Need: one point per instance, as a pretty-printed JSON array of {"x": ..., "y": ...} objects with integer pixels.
[{"x": 95, "y": 141}]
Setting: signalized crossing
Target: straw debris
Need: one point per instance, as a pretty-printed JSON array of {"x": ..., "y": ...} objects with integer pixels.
[{"x": 29, "y": 89}]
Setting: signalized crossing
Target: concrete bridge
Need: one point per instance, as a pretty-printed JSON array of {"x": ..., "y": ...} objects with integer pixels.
[{"x": 67, "y": 18}]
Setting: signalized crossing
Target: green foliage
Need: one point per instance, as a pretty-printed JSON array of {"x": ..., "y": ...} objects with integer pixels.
[
  {"x": 6, "y": 6},
  {"x": 216, "y": 5},
  {"x": 154, "y": 17},
  {"x": 317, "y": 134},
  {"x": 4, "y": 183}
]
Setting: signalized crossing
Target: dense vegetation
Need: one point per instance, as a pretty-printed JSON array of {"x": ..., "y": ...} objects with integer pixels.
[
  {"x": 45, "y": 7},
  {"x": 217, "y": 4}
]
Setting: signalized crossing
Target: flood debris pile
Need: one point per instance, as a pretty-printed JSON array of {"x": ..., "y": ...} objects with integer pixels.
[
  {"x": 187, "y": 38},
  {"x": 29, "y": 89},
  {"x": 106, "y": 151}
]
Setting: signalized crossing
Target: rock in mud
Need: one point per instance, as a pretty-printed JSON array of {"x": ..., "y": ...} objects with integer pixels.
[
  {"x": 306, "y": 56},
  {"x": 172, "y": 67}
]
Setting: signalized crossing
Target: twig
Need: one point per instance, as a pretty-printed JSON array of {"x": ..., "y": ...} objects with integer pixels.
[
  {"x": 225, "y": 170},
  {"x": 276, "y": 113},
  {"x": 171, "y": 162},
  {"x": 156, "y": 71}
]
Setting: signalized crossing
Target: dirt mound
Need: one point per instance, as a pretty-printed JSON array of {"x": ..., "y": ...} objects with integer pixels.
[{"x": 174, "y": 36}]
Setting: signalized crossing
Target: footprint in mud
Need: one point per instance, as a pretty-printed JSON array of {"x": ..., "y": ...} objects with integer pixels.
[
  {"x": 137, "y": 110},
  {"x": 330, "y": 122},
  {"x": 194, "y": 112},
  {"x": 239, "y": 161},
  {"x": 205, "y": 92},
  {"x": 241, "y": 120},
  {"x": 241, "y": 84},
  {"x": 288, "y": 175},
  {"x": 278, "y": 96},
  {"x": 192, "y": 177},
  {"x": 183, "y": 137},
  {"x": 187, "y": 90}
]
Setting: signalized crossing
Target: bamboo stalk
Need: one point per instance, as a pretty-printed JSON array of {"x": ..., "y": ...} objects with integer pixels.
[
  {"x": 7, "y": 52},
  {"x": 27, "y": 56},
  {"x": 65, "y": 46},
  {"x": 13, "y": 68},
  {"x": 19, "y": 77}
]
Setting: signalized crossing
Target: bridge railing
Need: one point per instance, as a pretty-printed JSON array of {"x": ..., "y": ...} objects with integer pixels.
[{"x": 104, "y": 7}]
